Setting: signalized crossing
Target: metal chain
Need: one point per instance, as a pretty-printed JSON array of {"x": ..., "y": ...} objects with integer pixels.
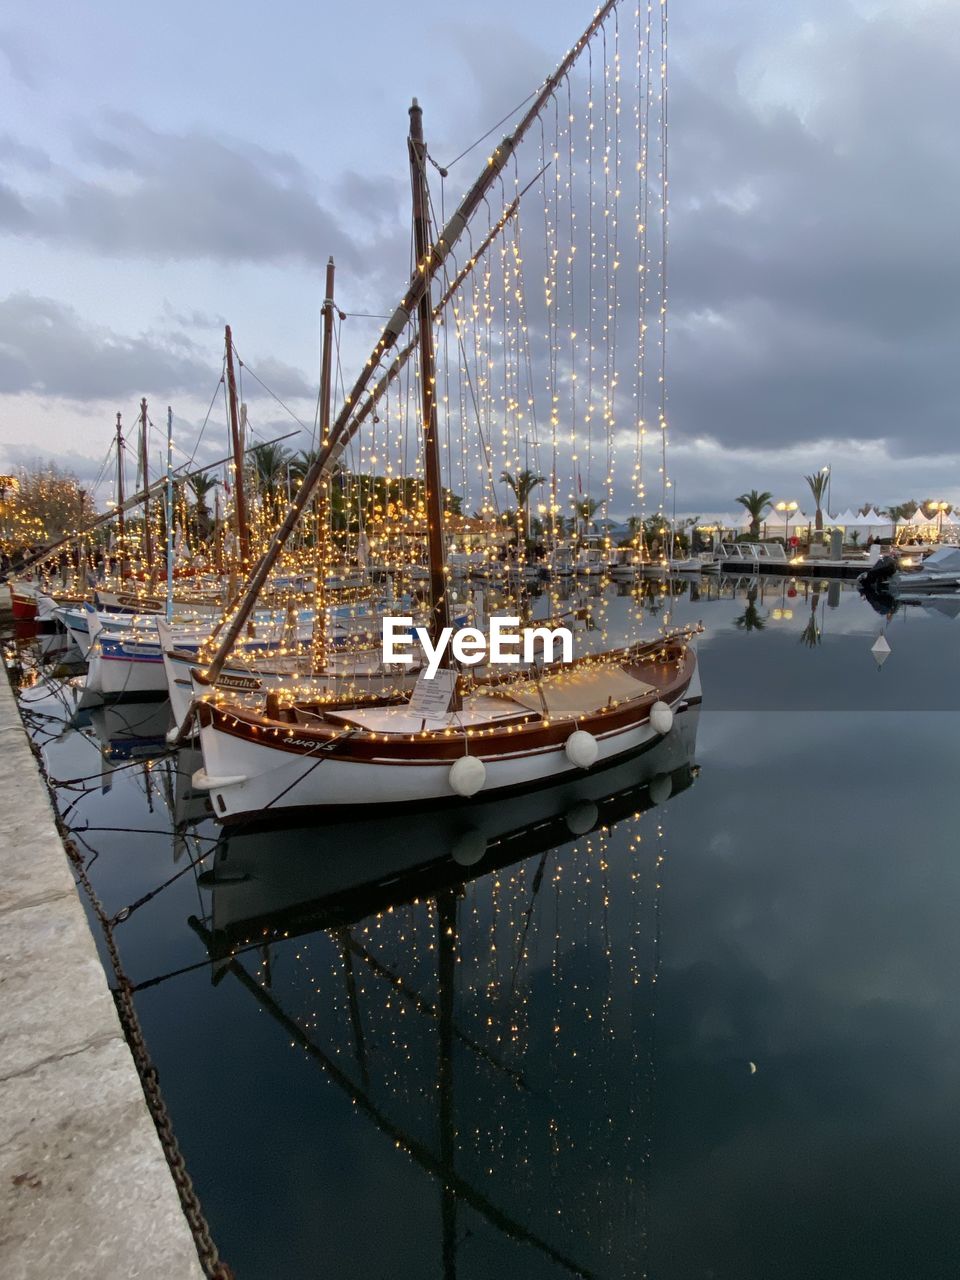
[{"x": 207, "y": 1251}]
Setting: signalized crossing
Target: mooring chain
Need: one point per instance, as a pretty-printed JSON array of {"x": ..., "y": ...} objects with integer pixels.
[
  {"x": 210, "y": 1261},
  {"x": 209, "y": 1256}
]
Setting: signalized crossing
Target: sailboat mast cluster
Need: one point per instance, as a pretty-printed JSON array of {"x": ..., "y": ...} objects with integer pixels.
[{"x": 484, "y": 393}]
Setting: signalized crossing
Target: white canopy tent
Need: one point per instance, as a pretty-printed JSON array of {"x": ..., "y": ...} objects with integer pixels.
[
  {"x": 774, "y": 522},
  {"x": 869, "y": 524},
  {"x": 920, "y": 520}
]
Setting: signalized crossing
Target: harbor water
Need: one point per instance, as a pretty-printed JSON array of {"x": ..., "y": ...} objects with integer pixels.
[{"x": 692, "y": 1016}]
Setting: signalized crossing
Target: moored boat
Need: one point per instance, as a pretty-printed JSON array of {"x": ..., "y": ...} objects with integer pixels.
[{"x": 506, "y": 736}]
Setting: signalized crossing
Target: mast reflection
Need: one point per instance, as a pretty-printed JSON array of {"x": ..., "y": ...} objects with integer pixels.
[{"x": 453, "y": 973}]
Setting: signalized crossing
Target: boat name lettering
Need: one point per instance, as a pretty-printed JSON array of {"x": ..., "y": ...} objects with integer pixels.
[
  {"x": 502, "y": 645},
  {"x": 238, "y": 682}
]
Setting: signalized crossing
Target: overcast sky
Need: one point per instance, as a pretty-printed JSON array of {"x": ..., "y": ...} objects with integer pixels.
[{"x": 165, "y": 169}]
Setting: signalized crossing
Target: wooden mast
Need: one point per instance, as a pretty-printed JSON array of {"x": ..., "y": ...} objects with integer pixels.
[
  {"x": 240, "y": 502},
  {"x": 121, "y": 526},
  {"x": 145, "y": 481},
  {"x": 323, "y": 503},
  {"x": 433, "y": 497}
]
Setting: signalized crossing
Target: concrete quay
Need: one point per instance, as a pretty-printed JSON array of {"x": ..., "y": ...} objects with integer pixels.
[{"x": 85, "y": 1189}]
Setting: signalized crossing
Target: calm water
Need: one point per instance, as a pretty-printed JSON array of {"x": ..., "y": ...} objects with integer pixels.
[{"x": 695, "y": 1017}]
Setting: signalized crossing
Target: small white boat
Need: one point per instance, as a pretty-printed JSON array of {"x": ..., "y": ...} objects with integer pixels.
[{"x": 685, "y": 564}]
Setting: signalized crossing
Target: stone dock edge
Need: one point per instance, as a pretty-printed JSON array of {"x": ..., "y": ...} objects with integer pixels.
[{"x": 85, "y": 1188}]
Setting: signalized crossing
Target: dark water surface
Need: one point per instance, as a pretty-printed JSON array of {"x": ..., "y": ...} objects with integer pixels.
[{"x": 694, "y": 1017}]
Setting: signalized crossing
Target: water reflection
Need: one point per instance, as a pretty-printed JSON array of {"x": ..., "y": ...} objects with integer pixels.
[
  {"x": 456, "y": 978},
  {"x": 424, "y": 1047},
  {"x": 752, "y": 618}
]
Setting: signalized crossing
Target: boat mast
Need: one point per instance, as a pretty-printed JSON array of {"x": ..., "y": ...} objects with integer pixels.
[
  {"x": 145, "y": 480},
  {"x": 323, "y": 503},
  {"x": 342, "y": 429},
  {"x": 240, "y": 503},
  {"x": 433, "y": 496},
  {"x": 169, "y": 502},
  {"x": 121, "y": 527}
]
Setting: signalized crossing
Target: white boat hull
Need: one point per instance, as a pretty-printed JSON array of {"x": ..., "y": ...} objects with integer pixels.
[{"x": 250, "y": 779}]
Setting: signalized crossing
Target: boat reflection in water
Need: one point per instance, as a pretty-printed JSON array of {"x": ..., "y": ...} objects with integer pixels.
[
  {"x": 460, "y": 986},
  {"x": 127, "y": 731}
]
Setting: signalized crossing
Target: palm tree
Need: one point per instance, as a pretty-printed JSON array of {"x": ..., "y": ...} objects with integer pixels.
[
  {"x": 201, "y": 484},
  {"x": 898, "y": 513},
  {"x": 810, "y": 635},
  {"x": 301, "y": 462},
  {"x": 756, "y": 504},
  {"x": 818, "y": 487},
  {"x": 751, "y": 619},
  {"x": 587, "y": 509},
  {"x": 522, "y": 484},
  {"x": 270, "y": 468}
]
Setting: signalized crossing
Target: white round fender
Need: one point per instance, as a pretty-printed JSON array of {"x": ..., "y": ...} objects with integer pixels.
[
  {"x": 467, "y": 775},
  {"x": 661, "y": 718},
  {"x": 582, "y": 748}
]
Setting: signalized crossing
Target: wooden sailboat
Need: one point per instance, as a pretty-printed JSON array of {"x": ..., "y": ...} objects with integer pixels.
[{"x": 493, "y": 734}]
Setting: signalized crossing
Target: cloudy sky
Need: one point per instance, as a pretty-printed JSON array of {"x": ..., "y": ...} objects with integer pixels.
[{"x": 163, "y": 170}]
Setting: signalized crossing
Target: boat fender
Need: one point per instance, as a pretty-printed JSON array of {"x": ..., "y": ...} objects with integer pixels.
[
  {"x": 582, "y": 748},
  {"x": 661, "y": 718},
  {"x": 581, "y": 818},
  {"x": 661, "y": 788},
  {"x": 467, "y": 775},
  {"x": 469, "y": 846}
]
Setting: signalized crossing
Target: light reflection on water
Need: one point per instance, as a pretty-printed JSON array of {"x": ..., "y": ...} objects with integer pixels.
[{"x": 380, "y": 1060}]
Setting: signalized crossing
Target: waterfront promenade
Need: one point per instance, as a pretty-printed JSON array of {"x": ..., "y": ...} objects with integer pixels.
[{"x": 86, "y": 1190}]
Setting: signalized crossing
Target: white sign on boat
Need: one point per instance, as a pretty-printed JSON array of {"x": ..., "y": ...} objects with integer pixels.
[{"x": 431, "y": 698}]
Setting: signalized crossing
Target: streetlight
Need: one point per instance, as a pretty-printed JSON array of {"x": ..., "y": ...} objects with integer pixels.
[
  {"x": 939, "y": 508},
  {"x": 788, "y": 509},
  {"x": 828, "y": 472}
]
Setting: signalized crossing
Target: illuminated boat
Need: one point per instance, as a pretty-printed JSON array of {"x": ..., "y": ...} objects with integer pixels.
[
  {"x": 478, "y": 737},
  {"x": 504, "y": 738}
]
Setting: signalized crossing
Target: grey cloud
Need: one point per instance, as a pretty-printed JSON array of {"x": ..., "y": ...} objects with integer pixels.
[
  {"x": 13, "y": 213},
  {"x": 24, "y": 59},
  {"x": 81, "y": 466},
  {"x": 823, "y": 248},
  {"x": 46, "y": 348},
  {"x": 190, "y": 195},
  {"x": 282, "y": 379},
  {"x": 501, "y": 73},
  {"x": 192, "y": 319},
  {"x": 21, "y": 156},
  {"x": 49, "y": 349}
]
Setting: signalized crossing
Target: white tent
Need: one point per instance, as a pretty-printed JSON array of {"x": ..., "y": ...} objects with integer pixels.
[
  {"x": 774, "y": 522},
  {"x": 720, "y": 520},
  {"x": 868, "y": 524},
  {"x": 879, "y": 525},
  {"x": 920, "y": 520}
]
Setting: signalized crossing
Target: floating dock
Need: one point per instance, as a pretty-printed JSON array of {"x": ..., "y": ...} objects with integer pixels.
[
  {"x": 86, "y": 1188},
  {"x": 849, "y": 569}
]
